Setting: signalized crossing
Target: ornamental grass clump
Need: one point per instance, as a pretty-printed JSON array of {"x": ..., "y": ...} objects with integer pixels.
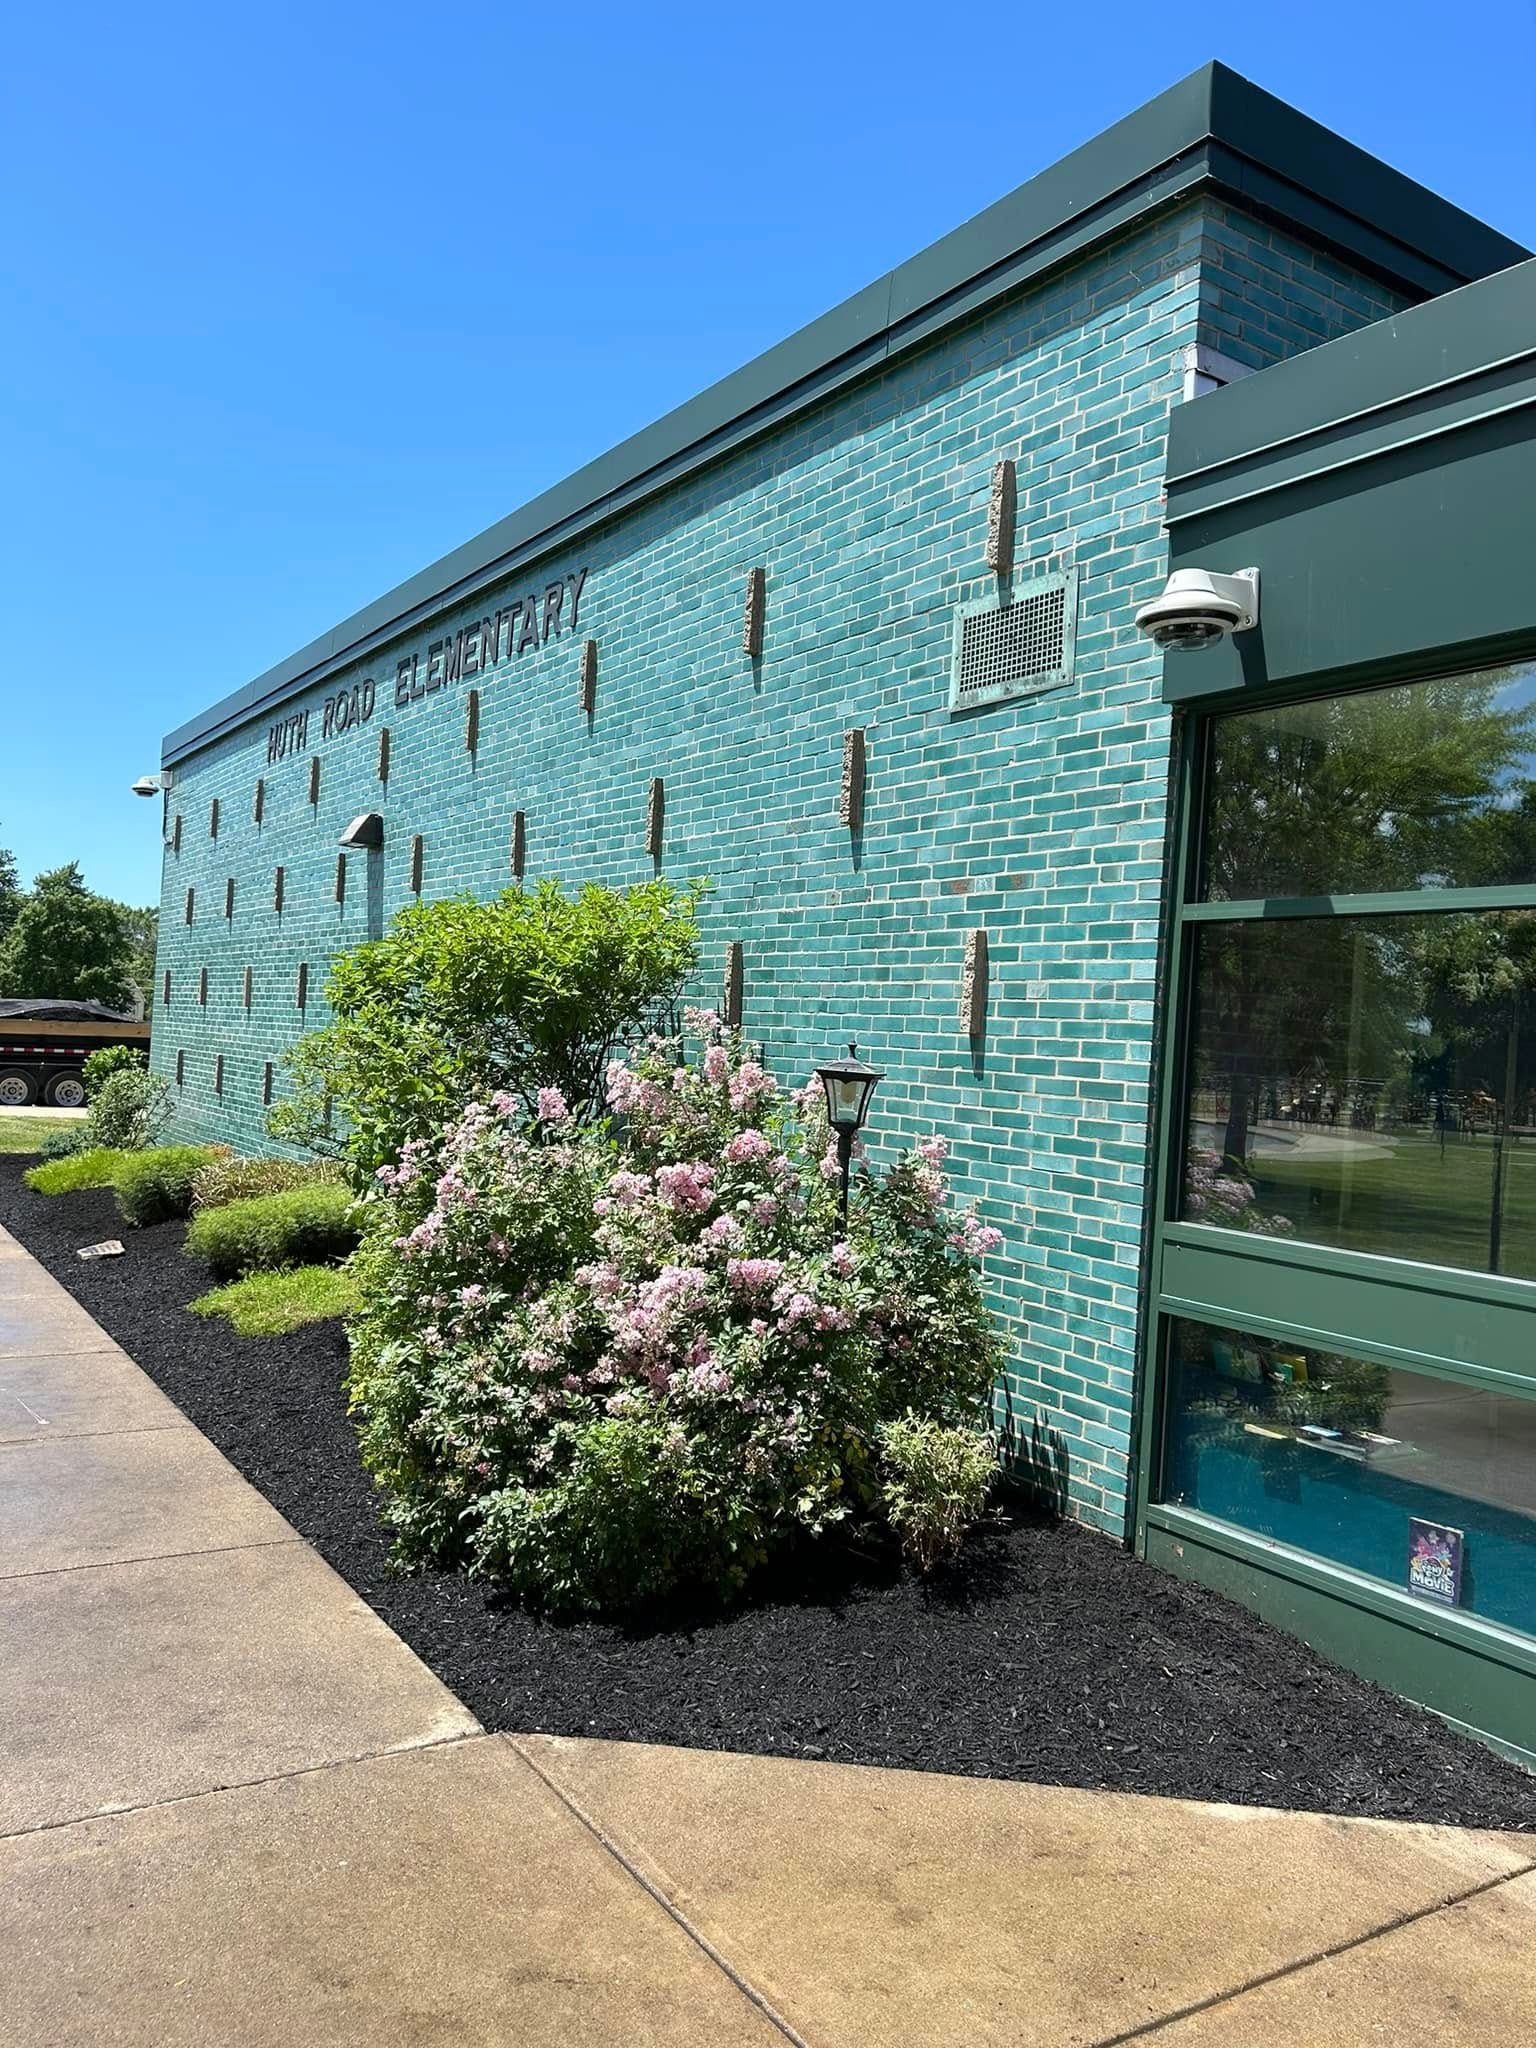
[
  {"x": 604, "y": 1363},
  {"x": 155, "y": 1186},
  {"x": 301, "y": 1226}
]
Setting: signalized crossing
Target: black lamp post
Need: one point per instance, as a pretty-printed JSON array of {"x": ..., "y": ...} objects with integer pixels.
[{"x": 849, "y": 1084}]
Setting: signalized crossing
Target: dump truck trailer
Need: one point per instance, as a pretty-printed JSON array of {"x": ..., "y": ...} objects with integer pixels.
[{"x": 44, "y": 1046}]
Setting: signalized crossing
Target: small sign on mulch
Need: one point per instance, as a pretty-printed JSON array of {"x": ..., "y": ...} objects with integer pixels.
[{"x": 109, "y": 1248}]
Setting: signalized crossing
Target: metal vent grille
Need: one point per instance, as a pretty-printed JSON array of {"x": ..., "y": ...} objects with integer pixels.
[{"x": 1017, "y": 646}]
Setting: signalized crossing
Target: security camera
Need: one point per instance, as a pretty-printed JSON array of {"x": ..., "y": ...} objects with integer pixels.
[
  {"x": 1197, "y": 607},
  {"x": 148, "y": 785}
]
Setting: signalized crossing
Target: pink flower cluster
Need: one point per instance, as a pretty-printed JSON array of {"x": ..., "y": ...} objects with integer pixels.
[{"x": 685, "y": 1187}]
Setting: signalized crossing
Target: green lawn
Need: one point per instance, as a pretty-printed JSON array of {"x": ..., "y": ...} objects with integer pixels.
[
  {"x": 26, "y": 1133},
  {"x": 1415, "y": 1203}
]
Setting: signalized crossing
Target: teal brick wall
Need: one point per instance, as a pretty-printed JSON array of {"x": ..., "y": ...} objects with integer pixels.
[{"x": 1041, "y": 821}]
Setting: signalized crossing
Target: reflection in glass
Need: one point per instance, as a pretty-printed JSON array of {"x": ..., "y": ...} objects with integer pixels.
[
  {"x": 1369, "y": 1083},
  {"x": 1426, "y": 785},
  {"x": 1338, "y": 1456}
]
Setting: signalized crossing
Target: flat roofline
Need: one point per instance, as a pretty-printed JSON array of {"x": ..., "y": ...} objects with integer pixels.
[{"x": 1213, "y": 131}]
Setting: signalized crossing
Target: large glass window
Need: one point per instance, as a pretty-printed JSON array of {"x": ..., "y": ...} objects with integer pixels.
[
  {"x": 1370, "y": 1083},
  {"x": 1425, "y": 785},
  {"x": 1424, "y": 1483},
  {"x": 1356, "y": 960}
]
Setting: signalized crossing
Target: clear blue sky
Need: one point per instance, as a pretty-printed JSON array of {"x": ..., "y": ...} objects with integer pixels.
[{"x": 302, "y": 296}]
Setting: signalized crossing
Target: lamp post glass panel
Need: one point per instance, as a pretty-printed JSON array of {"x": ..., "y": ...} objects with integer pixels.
[{"x": 849, "y": 1085}]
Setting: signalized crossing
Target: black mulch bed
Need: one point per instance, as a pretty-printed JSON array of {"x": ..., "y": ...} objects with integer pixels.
[{"x": 1048, "y": 1654}]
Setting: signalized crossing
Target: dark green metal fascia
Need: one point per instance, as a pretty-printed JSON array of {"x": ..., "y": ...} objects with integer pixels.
[
  {"x": 1391, "y": 372},
  {"x": 1214, "y": 130}
]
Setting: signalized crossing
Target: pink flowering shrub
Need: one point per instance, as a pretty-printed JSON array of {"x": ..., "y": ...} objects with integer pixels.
[
  {"x": 1216, "y": 1193},
  {"x": 601, "y": 1363}
]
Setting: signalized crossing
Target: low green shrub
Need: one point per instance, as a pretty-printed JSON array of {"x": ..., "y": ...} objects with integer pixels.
[
  {"x": 107, "y": 1060},
  {"x": 96, "y": 1167},
  {"x": 271, "y": 1304},
  {"x": 156, "y": 1185},
  {"x": 236, "y": 1180},
  {"x": 63, "y": 1141},
  {"x": 934, "y": 1482},
  {"x": 300, "y": 1226},
  {"x": 129, "y": 1110}
]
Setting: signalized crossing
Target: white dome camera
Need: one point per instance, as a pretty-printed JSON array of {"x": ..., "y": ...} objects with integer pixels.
[{"x": 1196, "y": 608}]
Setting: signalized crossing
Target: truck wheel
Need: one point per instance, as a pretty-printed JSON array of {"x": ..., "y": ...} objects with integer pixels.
[
  {"x": 17, "y": 1088},
  {"x": 66, "y": 1090}
]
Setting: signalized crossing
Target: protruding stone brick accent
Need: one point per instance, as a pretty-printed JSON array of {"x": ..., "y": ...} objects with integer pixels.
[
  {"x": 655, "y": 817},
  {"x": 301, "y": 989},
  {"x": 218, "y": 1073},
  {"x": 589, "y": 676},
  {"x": 472, "y": 723},
  {"x": 202, "y": 988},
  {"x": 341, "y": 878},
  {"x": 851, "y": 802},
  {"x": 519, "y": 844},
  {"x": 384, "y": 754},
  {"x": 229, "y": 900},
  {"x": 176, "y": 834},
  {"x": 730, "y": 989},
  {"x": 973, "y": 984},
  {"x": 259, "y": 800},
  {"x": 1002, "y": 518},
  {"x": 416, "y": 855},
  {"x": 277, "y": 889},
  {"x": 752, "y": 621},
  {"x": 248, "y": 989},
  {"x": 314, "y": 778},
  {"x": 266, "y": 1082},
  {"x": 191, "y": 901}
]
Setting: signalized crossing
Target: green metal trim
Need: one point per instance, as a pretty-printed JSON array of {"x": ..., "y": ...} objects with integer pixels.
[
  {"x": 1222, "y": 1316},
  {"x": 1414, "y": 358},
  {"x": 1501, "y": 1290},
  {"x": 1389, "y": 903},
  {"x": 1444, "y": 1624}
]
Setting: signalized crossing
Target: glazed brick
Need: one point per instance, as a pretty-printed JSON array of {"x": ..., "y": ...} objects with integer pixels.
[{"x": 1041, "y": 820}]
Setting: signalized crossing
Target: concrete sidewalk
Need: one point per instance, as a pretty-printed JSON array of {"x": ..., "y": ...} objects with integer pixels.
[{"x": 235, "y": 1808}]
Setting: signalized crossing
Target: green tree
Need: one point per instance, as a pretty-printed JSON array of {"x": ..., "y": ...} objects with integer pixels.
[
  {"x": 460, "y": 999},
  {"x": 143, "y": 927},
  {"x": 10, "y": 892},
  {"x": 68, "y": 943},
  {"x": 1386, "y": 790}
]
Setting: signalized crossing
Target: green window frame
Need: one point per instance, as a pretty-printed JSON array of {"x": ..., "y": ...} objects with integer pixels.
[{"x": 1462, "y": 1326}]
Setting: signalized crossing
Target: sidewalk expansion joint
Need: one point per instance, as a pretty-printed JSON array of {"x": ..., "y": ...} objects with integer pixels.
[
  {"x": 48, "y": 1433},
  {"x": 333, "y": 1763},
  {"x": 675, "y": 1913},
  {"x": 1308, "y": 1962},
  {"x": 112, "y": 1564}
]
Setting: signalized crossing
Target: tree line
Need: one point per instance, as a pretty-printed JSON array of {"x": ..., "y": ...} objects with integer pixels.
[{"x": 62, "y": 941}]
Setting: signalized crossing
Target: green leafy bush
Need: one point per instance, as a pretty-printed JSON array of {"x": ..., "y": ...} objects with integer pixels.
[
  {"x": 130, "y": 1110},
  {"x": 107, "y": 1060},
  {"x": 934, "y": 1484},
  {"x": 155, "y": 1185},
  {"x": 272, "y": 1304},
  {"x": 298, "y": 1227},
  {"x": 236, "y": 1180},
  {"x": 460, "y": 999},
  {"x": 64, "y": 1141},
  {"x": 601, "y": 1363},
  {"x": 96, "y": 1167}
]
